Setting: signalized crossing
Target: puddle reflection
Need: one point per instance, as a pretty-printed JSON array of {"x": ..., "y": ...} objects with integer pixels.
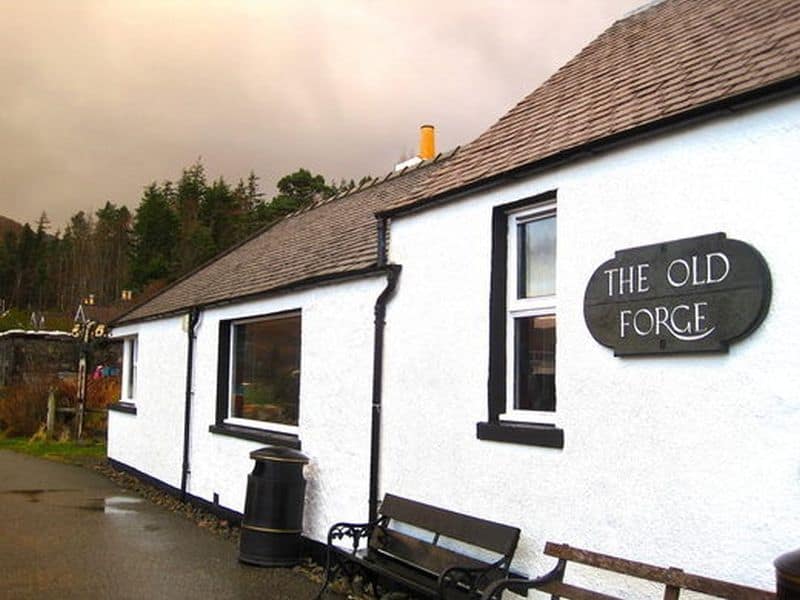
[{"x": 113, "y": 505}]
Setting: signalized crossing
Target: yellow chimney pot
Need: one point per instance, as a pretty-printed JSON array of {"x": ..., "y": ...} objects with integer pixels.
[{"x": 427, "y": 142}]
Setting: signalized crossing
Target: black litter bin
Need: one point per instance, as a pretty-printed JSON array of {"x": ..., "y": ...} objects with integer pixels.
[
  {"x": 787, "y": 573},
  {"x": 273, "y": 510}
]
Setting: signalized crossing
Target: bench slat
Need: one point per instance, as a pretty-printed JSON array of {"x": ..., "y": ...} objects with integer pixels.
[
  {"x": 566, "y": 590},
  {"x": 496, "y": 537},
  {"x": 715, "y": 587},
  {"x": 432, "y": 559},
  {"x": 671, "y": 577},
  {"x": 604, "y": 561},
  {"x": 413, "y": 578}
]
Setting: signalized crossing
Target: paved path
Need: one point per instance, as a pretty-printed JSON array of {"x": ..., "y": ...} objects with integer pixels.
[{"x": 68, "y": 532}]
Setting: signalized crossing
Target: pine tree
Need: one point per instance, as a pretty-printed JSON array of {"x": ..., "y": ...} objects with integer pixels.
[{"x": 155, "y": 237}]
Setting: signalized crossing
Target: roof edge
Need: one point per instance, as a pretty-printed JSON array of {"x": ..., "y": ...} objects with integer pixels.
[
  {"x": 328, "y": 278},
  {"x": 695, "y": 115}
]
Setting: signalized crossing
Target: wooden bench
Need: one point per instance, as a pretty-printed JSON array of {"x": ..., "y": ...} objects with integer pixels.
[
  {"x": 426, "y": 550},
  {"x": 673, "y": 580}
]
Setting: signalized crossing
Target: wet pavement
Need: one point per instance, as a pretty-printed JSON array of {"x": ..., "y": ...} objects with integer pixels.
[{"x": 68, "y": 532}]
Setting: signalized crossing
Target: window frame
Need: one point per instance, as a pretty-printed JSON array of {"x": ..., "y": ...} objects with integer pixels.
[
  {"x": 519, "y": 307},
  {"x": 511, "y": 429},
  {"x": 131, "y": 368},
  {"x": 253, "y": 429}
]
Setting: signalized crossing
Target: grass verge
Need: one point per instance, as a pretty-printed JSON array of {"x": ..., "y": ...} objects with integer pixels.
[{"x": 83, "y": 452}]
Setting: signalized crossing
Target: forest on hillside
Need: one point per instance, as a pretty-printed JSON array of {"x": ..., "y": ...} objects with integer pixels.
[{"x": 176, "y": 226}]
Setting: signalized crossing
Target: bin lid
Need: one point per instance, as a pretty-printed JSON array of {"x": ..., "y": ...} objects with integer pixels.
[
  {"x": 789, "y": 564},
  {"x": 279, "y": 454}
]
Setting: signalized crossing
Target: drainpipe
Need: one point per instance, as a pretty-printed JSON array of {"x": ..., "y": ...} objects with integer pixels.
[
  {"x": 194, "y": 315},
  {"x": 392, "y": 275}
]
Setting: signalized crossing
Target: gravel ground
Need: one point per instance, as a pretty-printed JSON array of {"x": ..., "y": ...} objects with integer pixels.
[
  {"x": 226, "y": 530},
  {"x": 219, "y": 527}
]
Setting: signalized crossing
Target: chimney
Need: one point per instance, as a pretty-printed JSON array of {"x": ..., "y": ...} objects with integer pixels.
[
  {"x": 427, "y": 142},
  {"x": 427, "y": 149}
]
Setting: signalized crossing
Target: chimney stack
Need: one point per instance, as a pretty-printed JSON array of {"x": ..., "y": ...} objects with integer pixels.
[
  {"x": 427, "y": 149},
  {"x": 427, "y": 142}
]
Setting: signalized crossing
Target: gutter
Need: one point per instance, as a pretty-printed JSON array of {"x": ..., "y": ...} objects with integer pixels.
[
  {"x": 294, "y": 286},
  {"x": 191, "y": 334},
  {"x": 392, "y": 277}
]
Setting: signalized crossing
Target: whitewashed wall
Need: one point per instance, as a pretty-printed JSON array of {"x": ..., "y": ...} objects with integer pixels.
[
  {"x": 335, "y": 403},
  {"x": 690, "y": 461},
  {"x": 150, "y": 441}
]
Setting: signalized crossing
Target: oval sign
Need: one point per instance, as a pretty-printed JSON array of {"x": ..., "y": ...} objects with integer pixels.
[{"x": 691, "y": 295}]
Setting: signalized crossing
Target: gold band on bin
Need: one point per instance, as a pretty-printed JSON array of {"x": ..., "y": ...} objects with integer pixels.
[{"x": 269, "y": 530}]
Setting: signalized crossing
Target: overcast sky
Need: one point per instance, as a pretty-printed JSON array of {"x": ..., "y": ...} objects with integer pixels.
[{"x": 100, "y": 97}]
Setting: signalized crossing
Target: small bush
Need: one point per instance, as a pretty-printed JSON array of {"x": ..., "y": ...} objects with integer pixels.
[{"x": 23, "y": 407}]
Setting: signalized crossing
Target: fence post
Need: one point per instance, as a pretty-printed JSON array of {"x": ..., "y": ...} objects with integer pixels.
[
  {"x": 81, "y": 395},
  {"x": 51, "y": 413}
]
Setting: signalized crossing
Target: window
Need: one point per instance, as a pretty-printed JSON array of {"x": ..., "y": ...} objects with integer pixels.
[
  {"x": 131, "y": 359},
  {"x": 262, "y": 383},
  {"x": 522, "y": 325},
  {"x": 531, "y": 326}
]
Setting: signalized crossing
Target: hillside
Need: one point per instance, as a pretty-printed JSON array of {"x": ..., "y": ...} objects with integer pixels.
[{"x": 7, "y": 225}]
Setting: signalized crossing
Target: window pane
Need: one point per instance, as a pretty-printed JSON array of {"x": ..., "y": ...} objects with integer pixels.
[
  {"x": 536, "y": 363},
  {"x": 132, "y": 360},
  {"x": 538, "y": 257},
  {"x": 266, "y": 374}
]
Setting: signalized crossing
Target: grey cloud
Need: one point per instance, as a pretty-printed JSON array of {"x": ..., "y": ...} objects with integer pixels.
[{"x": 99, "y": 98}]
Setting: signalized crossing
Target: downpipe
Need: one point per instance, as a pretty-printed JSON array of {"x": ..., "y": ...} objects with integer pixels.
[
  {"x": 392, "y": 276},
  {"x": 194, "y": 317}
]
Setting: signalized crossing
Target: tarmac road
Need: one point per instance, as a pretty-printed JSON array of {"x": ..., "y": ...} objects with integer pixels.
[{"x": 68, "y": 532}]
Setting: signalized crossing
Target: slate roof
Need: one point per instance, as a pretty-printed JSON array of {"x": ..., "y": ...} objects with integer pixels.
[
  {"x": 331, "y": 238},
  {"x": 667, "y": 59}
]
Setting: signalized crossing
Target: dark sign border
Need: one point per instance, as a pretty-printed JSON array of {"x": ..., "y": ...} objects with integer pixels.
[{"x": 744, "y": 299}]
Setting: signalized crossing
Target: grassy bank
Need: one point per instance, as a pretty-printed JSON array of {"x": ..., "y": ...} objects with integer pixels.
[{"x": 67, "y": 451}]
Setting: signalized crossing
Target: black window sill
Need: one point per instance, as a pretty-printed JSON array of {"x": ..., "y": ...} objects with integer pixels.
[
  {"x": 516, "y": 432},
  {"x": 273, "y": 438},
  {"x": 123, "y": 407}
]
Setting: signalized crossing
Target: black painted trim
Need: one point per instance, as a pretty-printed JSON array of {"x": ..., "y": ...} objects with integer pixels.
[
  {"x": 515, "y": 432},
  {"x": 300, "y": 284},
  {"x": 497, "y": 315},
  {"x": 223, "y": 371},
  {"x": 316, "y": 551},
  {"x": 232, "y": 516},
  {"x": 224, "y": 358},
  {"x": 273, "y": 438},
  {"x": 123, "y": 407},
  {"x": 495, "y": 429},
  {"x": 220, "y": 427},
  {"x": 498, "y": 301}
]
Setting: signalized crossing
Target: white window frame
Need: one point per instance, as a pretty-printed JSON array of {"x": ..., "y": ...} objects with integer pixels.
[
  {"x": 517, "y": 308},
  {"x": 255, "y": 423},
  {"x": 130, "y": 366}
]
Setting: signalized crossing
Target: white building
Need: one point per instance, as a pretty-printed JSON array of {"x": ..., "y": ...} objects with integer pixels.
[{"x": 681, "y": 120}]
